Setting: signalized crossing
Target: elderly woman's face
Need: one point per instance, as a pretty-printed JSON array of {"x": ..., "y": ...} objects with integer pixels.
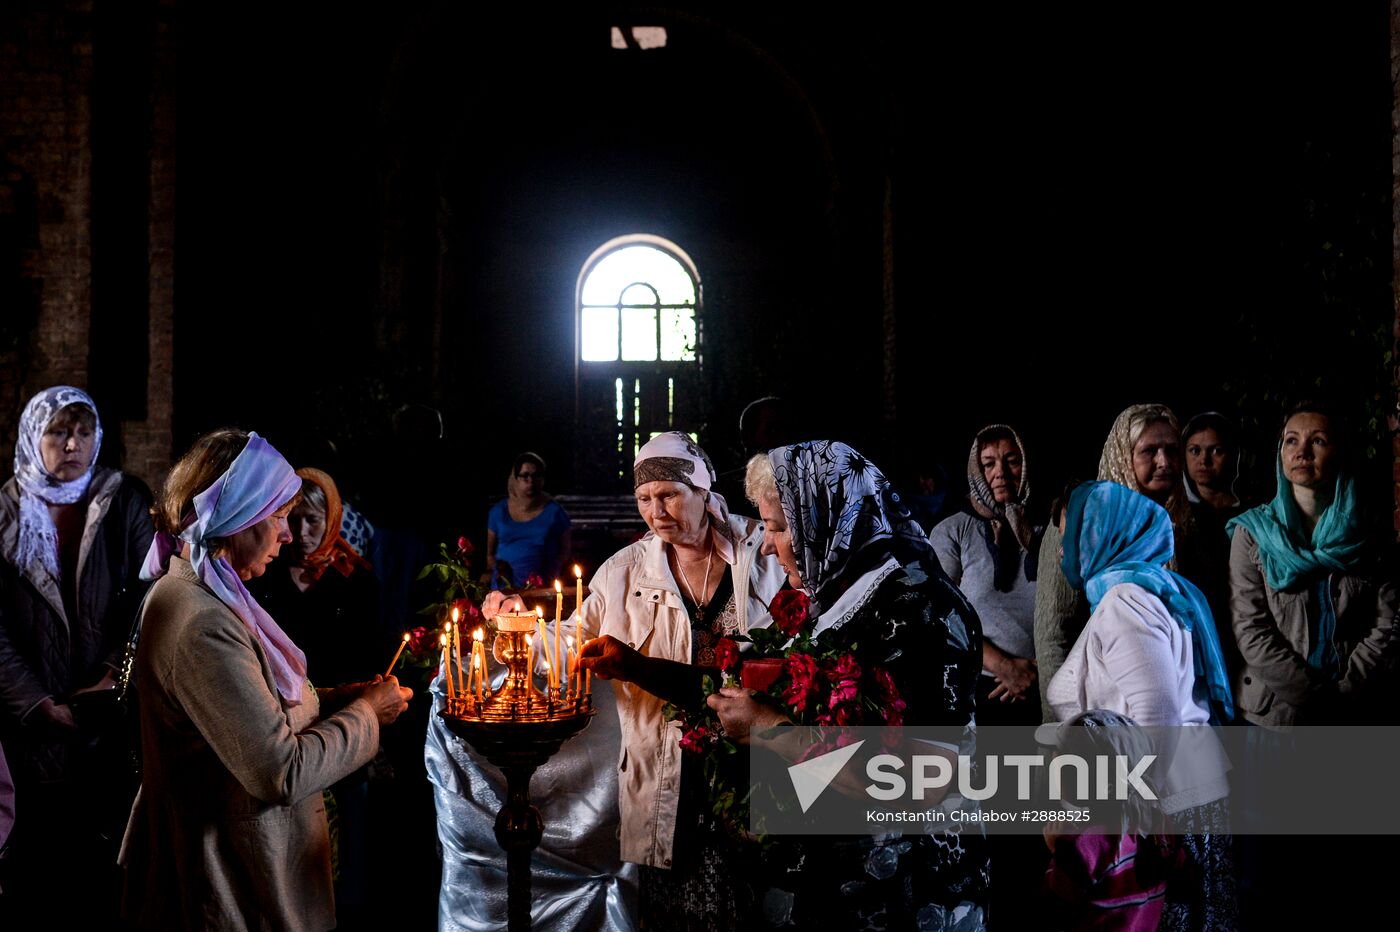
[
  {"x": 1157, "y": 460},
  {"x": 777, "y": 538},
  {"x": 252, "y": 549},
  {"x": 1209, "y": 462},
  {"x": 308, "y": 528},
  {"x": 1310, "y": 457},
  {"x": 66, "y": 448},
  {"x": 674, "y": 511},
  {"x": 1001, "y": 469}
]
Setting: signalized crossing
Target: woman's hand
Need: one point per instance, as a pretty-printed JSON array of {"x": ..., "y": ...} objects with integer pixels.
[
  {"x": 387, "y": 698},
  {"x": 1015, "y": 678},
  {"x": 53, "y": 716},
  {"x": 107, "y": 682},
  {"x": 740, "y": 715},
  {"x": 609, "y": 658}
]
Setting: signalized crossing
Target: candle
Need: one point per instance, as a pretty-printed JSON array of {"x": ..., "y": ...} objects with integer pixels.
[
  {"x": 479, "y": 649},
  {"x": 558, "y": 625},
  {"x": 544, "y": 637},
  {"x": 530, "y": 656},
  {"x": 457, "y": 643},
  {"x": 446, "y": 670},
  {"x": 569, "y": 652},
  {"x": 404, "y": 643}
]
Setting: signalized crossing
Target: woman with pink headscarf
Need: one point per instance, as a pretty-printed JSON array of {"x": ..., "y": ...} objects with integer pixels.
[{"x": 229, "y": 829}]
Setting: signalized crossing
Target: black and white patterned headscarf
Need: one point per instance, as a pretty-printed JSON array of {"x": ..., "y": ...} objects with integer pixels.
[
  {"x": 844, "y": 516},
  {"x": 37, "y": 540}
]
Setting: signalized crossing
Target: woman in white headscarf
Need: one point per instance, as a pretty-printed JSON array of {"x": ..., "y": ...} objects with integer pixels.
[
  {"x": 72, "y": 537},
  {"x": 661, "y": 606}
]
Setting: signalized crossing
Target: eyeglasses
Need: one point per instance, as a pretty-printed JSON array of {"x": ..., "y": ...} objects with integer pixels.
[{"x": 527, "y": 475}]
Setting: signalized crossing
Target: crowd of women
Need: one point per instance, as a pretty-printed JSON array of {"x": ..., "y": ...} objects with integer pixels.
[{"x": 1152, "y": 597}]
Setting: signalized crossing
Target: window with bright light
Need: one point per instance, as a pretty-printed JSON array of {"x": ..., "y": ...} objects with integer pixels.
[
  {"x": 637, "y": 305},
  {"x": 639, "y": 353}
]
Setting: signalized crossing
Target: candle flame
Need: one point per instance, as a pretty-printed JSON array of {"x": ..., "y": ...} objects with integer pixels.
[
  {"x": 455, "y": 613},
  {"x": 479, "y": 635},
  {"x": 558, "y": 587},
  {"x": 405, "y": 637},
  {"x": 519, "y": 605},
  {"x": 447, "y": 627},
  {"x": 539, "y": 611},
  {"x": 442, "y": 640},
  {"x": 569, "y": 641},
  {"x": 578, "y": 571}
]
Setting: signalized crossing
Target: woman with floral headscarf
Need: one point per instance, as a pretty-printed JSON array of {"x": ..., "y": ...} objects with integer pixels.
[
  {"x": 661, "y": 608},
  {"x": 989, "y": 551},
  {"x": 877, "y": 593},
  {"x": 229, "y": 828},
  {"x": 72, "y": 536},
  {"x": 1150, "y": 652}
]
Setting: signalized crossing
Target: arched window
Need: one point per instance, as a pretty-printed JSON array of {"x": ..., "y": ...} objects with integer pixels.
[{"x": 638, "y": 338}]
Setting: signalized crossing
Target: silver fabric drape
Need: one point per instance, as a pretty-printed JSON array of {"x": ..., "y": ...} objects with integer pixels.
[{"x": 578, "y": 883}]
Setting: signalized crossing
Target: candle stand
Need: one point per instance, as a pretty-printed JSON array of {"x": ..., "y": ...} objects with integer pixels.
[{"x": 517, "y": 729}]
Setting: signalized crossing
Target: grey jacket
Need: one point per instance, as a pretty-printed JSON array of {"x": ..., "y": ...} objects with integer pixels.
[{"x": 1272, "y": 630}]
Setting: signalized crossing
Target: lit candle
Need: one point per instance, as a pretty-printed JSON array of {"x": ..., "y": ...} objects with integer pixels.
[
  {"x": 457, "y": 646},
  {"x": 558, "y": 625},
  {"x": 404, "y": 643},
  {"x": 446, "y": 670}
]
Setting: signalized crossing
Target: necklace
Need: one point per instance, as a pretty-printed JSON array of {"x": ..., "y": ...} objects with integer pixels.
[{"x": 704, "y": 586}]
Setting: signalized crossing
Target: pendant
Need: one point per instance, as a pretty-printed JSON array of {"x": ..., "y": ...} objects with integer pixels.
[{"x": 699, "y": 614}]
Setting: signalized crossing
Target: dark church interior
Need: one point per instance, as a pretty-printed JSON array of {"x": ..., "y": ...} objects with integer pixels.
[{"x": 361, "y": 231}]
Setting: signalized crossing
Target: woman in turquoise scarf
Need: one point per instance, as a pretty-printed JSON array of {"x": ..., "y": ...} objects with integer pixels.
[{"x": 1312, "y": 603}]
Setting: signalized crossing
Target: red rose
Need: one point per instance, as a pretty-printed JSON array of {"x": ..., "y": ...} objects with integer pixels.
[
  {"x": 843, "y": 670},
  {"x": 804, "y": 673},
  {"x": 535, "y": 581},
  {"x": 465, "y": 548},
  {"x": 696, "y": 740},
  {"x": 727, "y": 654},
  {"x": 843, "y": 693},
  {"x": 789, "y": 611},
  {"x": 889, "y": 692}
]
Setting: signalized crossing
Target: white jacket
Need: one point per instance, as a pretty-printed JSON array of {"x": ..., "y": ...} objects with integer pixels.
[{"x": 634, "y": 598}]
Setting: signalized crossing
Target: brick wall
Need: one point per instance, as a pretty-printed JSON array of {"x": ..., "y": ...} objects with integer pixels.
[
  {"x": 1395, "y": 215},
  {"x": 46, "y": 101}
]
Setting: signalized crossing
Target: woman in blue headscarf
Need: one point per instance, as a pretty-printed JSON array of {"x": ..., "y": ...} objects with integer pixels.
[
  {"x": 72, "y": 536},
  {"x": 1312, "y": 601},
  {"x": 1150, "y": 651},
  {"x": 229, "y": 829}
]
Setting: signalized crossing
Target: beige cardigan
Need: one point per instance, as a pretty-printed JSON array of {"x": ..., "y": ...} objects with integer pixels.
[
  {"x": 229, "y": 829},
  {"x": 634, "y": 598}
]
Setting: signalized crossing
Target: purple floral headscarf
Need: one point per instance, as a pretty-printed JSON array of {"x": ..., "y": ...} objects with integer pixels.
[{"x": 37, "y": 541}]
